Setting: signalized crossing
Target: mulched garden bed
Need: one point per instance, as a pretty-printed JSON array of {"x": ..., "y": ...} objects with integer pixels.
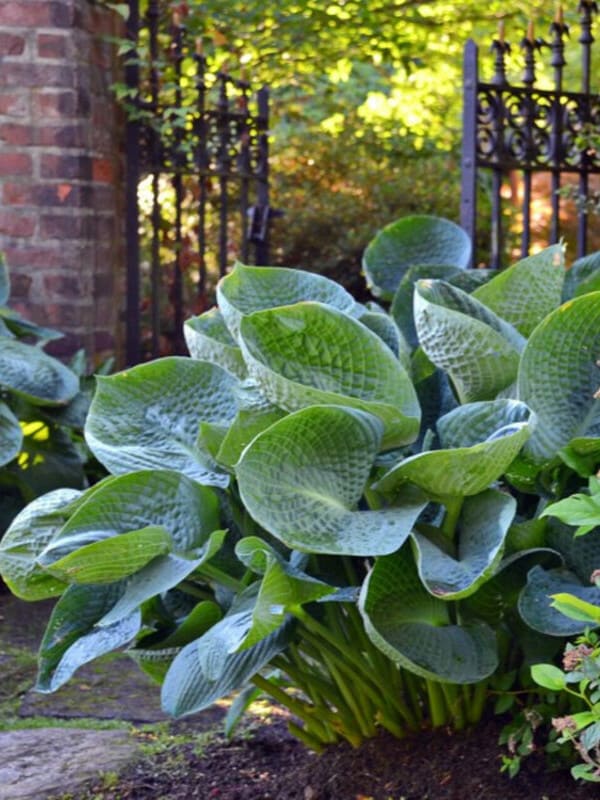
[{"x": 271, "y": 765}]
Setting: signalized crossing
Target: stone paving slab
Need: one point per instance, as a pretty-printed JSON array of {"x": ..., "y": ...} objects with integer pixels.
[{"x": 37, "y": 764}]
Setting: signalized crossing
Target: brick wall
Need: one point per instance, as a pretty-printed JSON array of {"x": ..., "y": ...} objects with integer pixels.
[{"x": 60, "y": 171}]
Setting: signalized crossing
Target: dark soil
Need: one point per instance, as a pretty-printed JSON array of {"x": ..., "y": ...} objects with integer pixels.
[
  {"x": 264, "y": 762},
  {"x": 271, "y": 765}
]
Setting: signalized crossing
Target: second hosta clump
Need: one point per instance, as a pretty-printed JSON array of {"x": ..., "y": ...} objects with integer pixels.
[{"x": 331, "y": 498}]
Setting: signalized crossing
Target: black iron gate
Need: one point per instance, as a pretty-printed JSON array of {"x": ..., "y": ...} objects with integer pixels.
[
  {"x": 525, "y": 129},
  {"x": 197, "y": 176}
]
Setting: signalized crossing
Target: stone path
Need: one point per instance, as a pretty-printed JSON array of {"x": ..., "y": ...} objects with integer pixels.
[{"x": 41, "y": 763}]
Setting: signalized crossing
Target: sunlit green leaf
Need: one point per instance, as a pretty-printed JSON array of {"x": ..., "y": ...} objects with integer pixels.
[
  {"x": 72, "y": 637},
  {"x": 249, "y": 289},
  {"x": 466, "y": 470},
  {"x": 413, "y": 241},
  {"x": 11, "y": 435},
  {"x": 208, "y": 339},
  {"x": 312, "y": 354},
  {"x": 559, "y": 375},
  {"x": 481, "y": 530},
  {"x": 302, "y": 478},
  {"x": 528, "y": 291},
  {"x": 478, "y": 350},
  {"x": 414, "y": 628},
  {"x": 26, "y": 538},
  {"x": 36, "y": 376},
  {"x": 149, "y": 417}
]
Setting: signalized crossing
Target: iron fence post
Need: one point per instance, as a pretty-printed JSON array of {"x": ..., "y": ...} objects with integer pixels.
[
  {"x": 468, "y": 195},
  {"x": 132, "y": 175}
]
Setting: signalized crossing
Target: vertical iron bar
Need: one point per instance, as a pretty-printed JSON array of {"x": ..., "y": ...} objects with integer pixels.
[
  {"x": 500, "y": 48},
  {"x": 496, "y": 249},
  {"x": 244, "y": 165},
  {"x": 132, "y": 173},
  {"x": 558, "y": 31},
  {"x": 178, "y": 164},
  {"x": 223, "y": 168},
  {"x": 202, "y": 166},
  {"x": 153, "y": 17},
  {"x": 468, "y": 194},
  {"x": 261, "y": 250},
  {"x": 529, "y": 44},
  {"x": 586, "y": 8}
]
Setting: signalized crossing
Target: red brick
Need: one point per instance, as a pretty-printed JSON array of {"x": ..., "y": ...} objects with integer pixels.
[
  {"x": 65, "y": 286},
  {"x": 66, "y": 315},
  {"x": 62, "y": 136},
  {"x": 103, "y": 170},
  {"x": 104, "y": 285},
  {"x": 56, "y": 105},
  {"x": 15, "y": 164},
  {"x": 61, "y": 226},
  {"x": 46, "y": 256},
  {"x": 70, "y": 167},
  {"x": 16, "y": 224},
  {"x": 21, "y": 135},
  {"x": 11, "y": 44},
  {"x": 44, "y": 195},
  {"x": 35, "y": 14},
  {"x": 52, "y": 46},
  {"x": 30, "y": 76},
  {"x": 14, "y": 103}
]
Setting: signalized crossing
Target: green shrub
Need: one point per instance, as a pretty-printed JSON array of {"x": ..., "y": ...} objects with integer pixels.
[{"x": 329, "y": 503}]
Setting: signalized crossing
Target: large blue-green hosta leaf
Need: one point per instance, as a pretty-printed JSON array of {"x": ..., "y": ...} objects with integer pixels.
[
  {"x": 559, "y": 375},
  {"x": 249, "y": 289},
  {"x": 384, "y": 326},
  {"x": 256, "y": 414},
  {"x": 28, "y": 535},
  {"x": 284, "y": 588},
  {"x": 108, "y": 560},
  {"x": 73, "y": 638},
  {"x": 36, "y": 376},
  {"x": 303, "y": 477},
  {"x": 160, "y": 575},
  {"x": 413, "y": 241},
  {"x": 4, "y": 282},
  {"x": 188, "y": 688},
  {"x": 478, "y": 350},
  {"x": 583, "y": 277},
  {"x": 535, "y": 602},
  {"x": 456, "y": 571},
  {"x": 154, "y": 654},
  {"x": 311, "y": 354},
  {"x": 11, "y": 435},
  {"x": 480, "y": 441},
  {"x": 528, "y": 291},
  {"x": 186, "y": 511},
  {"x": 149, "y": 417},
  {"x": 414, "y": 628},
  {"x": 208, "y": 339},
  {"x": 401, "y": 309}
]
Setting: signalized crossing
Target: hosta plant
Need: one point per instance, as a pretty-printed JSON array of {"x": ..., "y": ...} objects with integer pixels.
[
  {"x": 330, "y": 503},
  {"x": 43, "y": 405}
]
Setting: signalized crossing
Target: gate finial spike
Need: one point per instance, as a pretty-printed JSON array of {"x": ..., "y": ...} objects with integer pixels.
[
  {"x": 500, "y": 47},
  {"x": 530, "y": 34},
  {"x": 501, "y": 30}
]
